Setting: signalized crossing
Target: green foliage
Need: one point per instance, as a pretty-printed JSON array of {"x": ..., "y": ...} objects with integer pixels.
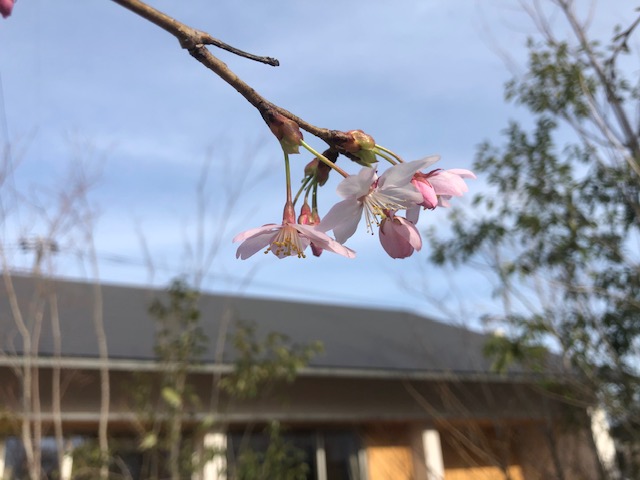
[
  {"x": 508, "y": 351},
  {"x": 179, "y": 340},
  {"x": 557, "y": 82},
  {"x": 280, "y": 461},
  {"x": 561, "y": 226},
  {"x": 162, "y": 401},
  {"x": 263, "y": 362}
]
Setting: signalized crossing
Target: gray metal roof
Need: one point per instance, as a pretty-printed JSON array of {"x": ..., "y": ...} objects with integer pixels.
[{"x": 356, "y": 339}]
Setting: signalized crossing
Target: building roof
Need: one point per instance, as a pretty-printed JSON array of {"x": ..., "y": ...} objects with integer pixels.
[{"x": 357, "y": 341}]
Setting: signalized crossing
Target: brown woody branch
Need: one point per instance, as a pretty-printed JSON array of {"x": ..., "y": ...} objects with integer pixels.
[{"x": 195, "y": 41}]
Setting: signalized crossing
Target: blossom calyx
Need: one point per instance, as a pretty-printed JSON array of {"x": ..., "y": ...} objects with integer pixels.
[
  {"x": 286, "y": 130},
  {"x": 289, "y": 213}
]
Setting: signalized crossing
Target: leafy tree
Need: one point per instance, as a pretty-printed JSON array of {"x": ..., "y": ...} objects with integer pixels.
[
  {"x": 559, "y": 229},
  {"x": 262, "y": 363},
  {"x": 280, "y": 461}
]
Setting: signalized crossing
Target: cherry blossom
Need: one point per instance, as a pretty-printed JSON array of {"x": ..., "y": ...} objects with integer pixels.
[
  {"x": 437, "y": 187},
  {"x": 286, "y": 240},
  {"x": 372, "y": 195},
  {"x": 399, "y": 237}
]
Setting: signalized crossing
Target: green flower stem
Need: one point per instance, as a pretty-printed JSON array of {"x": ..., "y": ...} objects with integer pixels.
[
  {"x": 380, "y": 149},
  {"x": 385, "y": 156},
  {"x": 287, "y": 173},
  {"x": 305, "y": 182},
  {"x": 324, "y": 159},
  {"x": 314, "y": 197}
]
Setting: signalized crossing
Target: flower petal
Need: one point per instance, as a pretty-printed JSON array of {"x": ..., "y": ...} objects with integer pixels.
[
  {"x": 429, "y": 197},
  {"x": 409, "y": 232},
  {"x": 324, "y": 241},
  {"x": 392, "y": 241},
  {"x": 446, "y": 183},
  {"x": 402, "y": 173},
  {"x": 254, "y": 244},
  {"x": 405, "y": 196},
  {"x": 343, "y": 219},
  {"x": 269, "y": 227},
  {"x": 355, "y": 186},
  {"x": 399, "y": 237},
  {"x": 413, "y": 213},
  {"x": 443, "y": 201},
  {"x": 463, "y": 173}
]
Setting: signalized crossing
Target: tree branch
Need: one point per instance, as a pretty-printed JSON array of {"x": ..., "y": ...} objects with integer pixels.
[
  {"x": 195, "y": 41},
  {"x": 630, "y": 137}
]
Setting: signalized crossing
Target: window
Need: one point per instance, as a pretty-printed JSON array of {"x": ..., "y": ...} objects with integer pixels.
[
  {"x": 16, "y": 468},
  {"x": 342, "y": 455},
  {"x": 308, "y": 455}
]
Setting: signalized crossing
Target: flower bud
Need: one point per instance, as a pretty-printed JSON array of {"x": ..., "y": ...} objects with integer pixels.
[
  {"x": 364, "y": 140},
  {"x": 285, "y": 130},
  {"x": 360, "y": 145},
  {"x": 308, "y": 217},
  {"x": 356, "y": 140},
  {"x": 311, "y": 168},
  {"x": 6, "y": 6},
  {"x": 398, "y": 236},
  {"x": 319, "y": 170},
  {"x": 305, "y": 217}
]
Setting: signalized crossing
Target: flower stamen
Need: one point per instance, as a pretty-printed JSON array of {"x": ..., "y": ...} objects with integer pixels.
[{"x": 287, "y": 243}]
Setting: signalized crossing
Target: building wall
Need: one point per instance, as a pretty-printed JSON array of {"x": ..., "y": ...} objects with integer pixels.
[
  {"x": 309, "y": 398},
  {"x": 389, "y": 453},
  {"x": 488, "y": 431},
  {"x": 549, "y": 451},
  {"x": 474, "y": 452},
  {"x": 518, "y": 451}
]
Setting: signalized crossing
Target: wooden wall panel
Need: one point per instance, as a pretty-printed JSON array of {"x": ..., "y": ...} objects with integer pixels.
[
  {"x": 389, "y": 454},
  {"x": 483, "y": 473},
  {"x": 475, "y": 452}
]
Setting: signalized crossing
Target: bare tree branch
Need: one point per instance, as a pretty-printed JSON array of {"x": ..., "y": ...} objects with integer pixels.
[{"x": 195, "y": 41}]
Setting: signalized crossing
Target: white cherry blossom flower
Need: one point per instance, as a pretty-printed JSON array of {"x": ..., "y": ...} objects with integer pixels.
[{"x": 372, "y": 195}]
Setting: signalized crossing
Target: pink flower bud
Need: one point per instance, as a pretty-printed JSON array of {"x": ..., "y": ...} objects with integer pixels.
[
  {"x": 308, "y": 217},
  {"x": 305, "y": 217},
  {"x": 399, "y": 237},
  {"x": 6, "y": 6}
]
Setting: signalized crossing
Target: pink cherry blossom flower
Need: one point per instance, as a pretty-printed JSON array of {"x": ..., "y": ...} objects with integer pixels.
[
  {"x": 437, "y": 187},
  {"x": 399, "y": 237},
  {"x": 286, "y": 240},
  {"x": 372, "y": 195},
  {"x": 6, "y": 6}
]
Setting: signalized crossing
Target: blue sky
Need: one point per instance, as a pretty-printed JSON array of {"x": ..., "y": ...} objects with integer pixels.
[{"x": 93, "y": 80}]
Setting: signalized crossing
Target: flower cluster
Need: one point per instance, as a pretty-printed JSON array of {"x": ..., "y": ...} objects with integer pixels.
[{"x": 405, "y": 186}]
